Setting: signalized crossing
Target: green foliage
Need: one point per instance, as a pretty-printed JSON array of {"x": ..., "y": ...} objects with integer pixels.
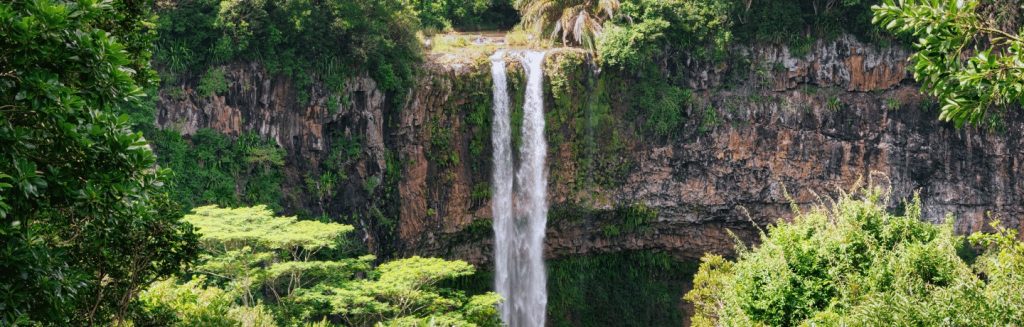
[
  {"x": 661, "y": 106},
  {"x": 974, "y": 80},
  {"x": 630, "y": 288},
  {"x": 262, "y": 270},
  {"x": 711, "y": 277},
  {"x": 582, "y": 116},
  {"x": 854, "y": 264},
  {"x": 834, "y": 104},
  {"x": 440, "y": 14},
  {"x": 249, "y": 249},
  {"x": 619, "y": 289},
  {"x": 442, "y": 152},
  {"x": 213, "y": 83},
  {"x": 256, "y": 226},
  {"x": 892, "y": 104},
  {"x": 193, "y": 303},
  {"x": 402, "y": 292},
  {"x": 709, "y": 120},
  {"x": 83, "y": 220},
  {"x": 305, "y": 40},
  {"x": 627, "y": 219},
  {"x": 212, "y": 168},
  {"x": 798, "y": 23},
  {"x": 577, "y": 22},
  {"x": 478, "y": 120},
  {"x": 666, "y": 28}
]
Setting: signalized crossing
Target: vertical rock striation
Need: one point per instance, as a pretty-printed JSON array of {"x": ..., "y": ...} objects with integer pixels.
[{"x": 803, "y": 125}]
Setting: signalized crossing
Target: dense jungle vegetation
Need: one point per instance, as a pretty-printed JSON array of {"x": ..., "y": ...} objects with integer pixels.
[{"x": 106, "y": 219}]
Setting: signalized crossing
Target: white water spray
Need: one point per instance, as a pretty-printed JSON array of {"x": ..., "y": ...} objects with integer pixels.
[
  {"x": 519, "y": 235},
  {"x": 501, "y": 200}
]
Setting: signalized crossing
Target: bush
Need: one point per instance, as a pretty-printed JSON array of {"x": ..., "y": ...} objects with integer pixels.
[
  {"x": 855, "y": 264},
  {"x": 213, "y": 83},
  {"x": 668, "y": 29},
  {"x": 212, "y": 168},
  {"x": 662, "y": 105}
]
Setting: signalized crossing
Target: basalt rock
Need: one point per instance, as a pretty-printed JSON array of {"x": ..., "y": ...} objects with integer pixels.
[{"x": 749, "y": 148}]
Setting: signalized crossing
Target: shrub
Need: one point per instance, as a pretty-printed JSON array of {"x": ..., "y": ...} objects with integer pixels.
[
  {"x": 668, "y": 29},
  {"x": 213, "y": 83},
  {"x": 855, "y": 264},
  {"x": 662, "y": 105}
]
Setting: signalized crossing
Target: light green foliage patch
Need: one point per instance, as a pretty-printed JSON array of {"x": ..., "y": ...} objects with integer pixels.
[
  {"x": 402, "y": 291},
  {"x": 855, "y": 264},
  {"x": 709, "y": 120},
  {"x": 264, "y": 270},
  {"x": 194, "y": 304},
  {"x": 213, "y": 83},
  {"x": 257, "y": 225}
]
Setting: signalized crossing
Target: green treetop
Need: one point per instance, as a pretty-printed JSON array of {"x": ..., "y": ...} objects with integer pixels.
[
  {"x": 259, "y": 269},
  {"x": 232, "y": 229}
]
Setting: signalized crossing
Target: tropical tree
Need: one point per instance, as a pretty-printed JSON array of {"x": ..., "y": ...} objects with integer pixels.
[
  {"x": 961, "y": 57},
  {"x": 404, "y": 292},
  {"x": 576, "y": 22},
  {"x": 84, "y": 223},
  {"x": 259, "y": 269},
  {"x": 852, "y": 263}
]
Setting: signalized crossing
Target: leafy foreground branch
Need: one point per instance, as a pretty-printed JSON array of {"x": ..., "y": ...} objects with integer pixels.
[
  {"x": 262, "y": 270},
  {"x": 961, "y": 57},
  {"x": 84, "y": 220},
  {"x": 855, "y": 264}
]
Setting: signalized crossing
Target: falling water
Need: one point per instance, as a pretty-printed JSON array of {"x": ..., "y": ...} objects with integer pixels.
[
  {"x": 519, "y": 235},
  {"x": 501, "y": 202}
]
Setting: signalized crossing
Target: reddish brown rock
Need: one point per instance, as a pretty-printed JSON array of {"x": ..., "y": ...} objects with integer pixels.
[{"x": 810, "y": 128}]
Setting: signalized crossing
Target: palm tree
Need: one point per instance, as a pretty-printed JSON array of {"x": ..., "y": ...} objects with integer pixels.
[{"x": 578, "y": 21}]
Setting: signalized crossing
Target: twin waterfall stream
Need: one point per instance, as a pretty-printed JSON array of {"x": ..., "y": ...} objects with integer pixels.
[{"x": 520, "y": 205}]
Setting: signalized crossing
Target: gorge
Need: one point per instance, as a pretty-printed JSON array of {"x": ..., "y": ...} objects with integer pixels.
[
  {"x": 518, "y": 163},
  {"x": 759, "y": 127}
]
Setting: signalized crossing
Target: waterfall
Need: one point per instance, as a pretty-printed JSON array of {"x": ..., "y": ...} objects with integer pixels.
[
  {"x": 501, "y": 200},
  {"x": 519, "y": 234}
]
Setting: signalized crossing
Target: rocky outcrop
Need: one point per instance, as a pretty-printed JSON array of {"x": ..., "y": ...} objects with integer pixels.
[{"x": 788, "y": 129}]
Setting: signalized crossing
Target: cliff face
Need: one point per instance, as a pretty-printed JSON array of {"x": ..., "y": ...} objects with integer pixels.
[{"x": 810, "y": 125}]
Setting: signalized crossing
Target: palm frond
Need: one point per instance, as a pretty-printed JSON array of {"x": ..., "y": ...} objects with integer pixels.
[{"x": 576, "y": 22}]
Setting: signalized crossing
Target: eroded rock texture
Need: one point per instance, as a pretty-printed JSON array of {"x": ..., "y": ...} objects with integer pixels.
[{"x": 809, "y": 125}]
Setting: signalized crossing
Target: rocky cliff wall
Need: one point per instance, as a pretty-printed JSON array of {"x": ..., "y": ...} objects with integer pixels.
[{"x": 755, "y": 128}]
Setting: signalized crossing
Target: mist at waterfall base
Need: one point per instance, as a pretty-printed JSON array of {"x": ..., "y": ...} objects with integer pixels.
[{"x": 519, "y": 225}]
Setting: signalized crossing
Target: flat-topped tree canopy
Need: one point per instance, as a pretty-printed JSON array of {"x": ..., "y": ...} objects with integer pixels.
[{"x": 234, "y": 228}]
